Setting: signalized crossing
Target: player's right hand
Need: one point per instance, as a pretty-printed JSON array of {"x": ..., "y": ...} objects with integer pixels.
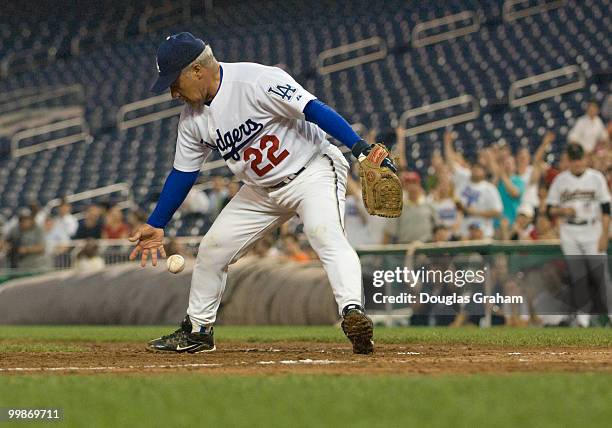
[{"x": 149, "y": 240}]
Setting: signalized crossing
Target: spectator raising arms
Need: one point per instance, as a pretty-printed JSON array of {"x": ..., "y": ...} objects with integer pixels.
[
  {"x": 532, "y": 174},
  {"x": 443, "y": 200},
  {"x": 509, "y": 184},
  {"x": 480, "y": 202}
]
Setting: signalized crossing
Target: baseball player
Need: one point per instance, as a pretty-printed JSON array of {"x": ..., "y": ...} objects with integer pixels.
[
  {"x": 270, "y": 132},
  {"x": 580, "y": 197}
]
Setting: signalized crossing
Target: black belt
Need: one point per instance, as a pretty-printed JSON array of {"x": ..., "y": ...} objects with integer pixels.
[
  {"x": 287, "y": 180},
  {"x": 581, "y": 223}
]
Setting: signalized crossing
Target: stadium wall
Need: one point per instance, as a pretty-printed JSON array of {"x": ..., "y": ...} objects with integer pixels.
[{"x": 258, "y": 292}]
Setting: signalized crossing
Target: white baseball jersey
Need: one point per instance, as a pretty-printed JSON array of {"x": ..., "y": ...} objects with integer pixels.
[
  {"x": 256, "y": 123},
  {"x": 585, "y": 194},
  {"x": 482, "y": 196}
]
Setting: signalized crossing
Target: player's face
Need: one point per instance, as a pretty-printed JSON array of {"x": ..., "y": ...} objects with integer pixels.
[
  {"x": 577, "y": 166},
  {"x": 188, "y": 87}
]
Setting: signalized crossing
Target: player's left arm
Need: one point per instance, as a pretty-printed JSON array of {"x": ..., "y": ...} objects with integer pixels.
[
  {"x": 604, "y": 197},
  {"x": 279, "y": 94},
  {"x": 332, "y": 123}
]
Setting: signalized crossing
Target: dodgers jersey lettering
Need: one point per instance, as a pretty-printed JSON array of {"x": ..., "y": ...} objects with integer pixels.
[
  {"x": 585, "y": 193},
  {"x": 257, "y": 124}
]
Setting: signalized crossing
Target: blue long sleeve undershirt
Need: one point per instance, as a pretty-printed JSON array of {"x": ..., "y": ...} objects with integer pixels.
[
  {"x": 331, "y": 122},
  {"x": 179, "y": 183},
  {"x": 175, "y": 190}
]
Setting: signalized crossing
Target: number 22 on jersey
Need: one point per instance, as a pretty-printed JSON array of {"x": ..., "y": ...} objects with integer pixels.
[{"x": 271, "y": 150}]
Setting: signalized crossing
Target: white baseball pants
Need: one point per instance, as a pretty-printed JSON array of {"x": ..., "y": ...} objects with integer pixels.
[{"x": 317, "y": 195}]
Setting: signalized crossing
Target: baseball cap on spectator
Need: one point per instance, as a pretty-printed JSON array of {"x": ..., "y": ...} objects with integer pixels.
[
  {"x": 173, "y": 55},
  {"x": 526, "y": 210},
  {"x": 410, "y": 177}
]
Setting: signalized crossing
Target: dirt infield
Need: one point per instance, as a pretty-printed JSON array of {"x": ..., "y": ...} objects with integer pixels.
[{"x": 304, "y": 357}]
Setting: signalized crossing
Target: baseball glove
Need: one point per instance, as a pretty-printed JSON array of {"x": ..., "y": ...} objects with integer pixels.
[{"x": 382, "y": 189}]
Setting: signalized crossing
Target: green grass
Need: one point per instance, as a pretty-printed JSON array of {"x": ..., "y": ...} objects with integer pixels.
[
  {"x": 550, "y": 400},
  {"x": 197, "y": 399},
  {"x": 597, "y": 337}
]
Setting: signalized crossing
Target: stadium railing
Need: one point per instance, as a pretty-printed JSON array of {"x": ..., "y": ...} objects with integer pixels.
[
  {"x": 367, "y": 50},
  {"x": 26, "y": 59},
  {"x": 440, "y": 121},
  {"x": 510, "y": 13},
  {"x": 124, "y": 190},
  {"x": 31, "y": 97},
  {"x": 158, "y": 103},
  {"x": 116, "y": 251},
  {"x": 166, "y": 15},
  {"x": 517, "y": 98},
  {"x": 80, "y": 133},
  {"x": 420, "y": 38}
]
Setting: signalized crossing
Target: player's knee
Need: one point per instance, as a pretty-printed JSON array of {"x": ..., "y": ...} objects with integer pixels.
[
  {"x": 214, "y": 251},
  {"x": 325, "y": 235}
]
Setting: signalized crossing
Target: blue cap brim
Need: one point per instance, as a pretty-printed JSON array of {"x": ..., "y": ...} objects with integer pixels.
[{"x": 164, "y": 81}]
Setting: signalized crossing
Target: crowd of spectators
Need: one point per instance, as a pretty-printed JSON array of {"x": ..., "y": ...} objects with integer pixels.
[
  {"x": 34, "y": 236},
  {"x": 498, "y": 195}
]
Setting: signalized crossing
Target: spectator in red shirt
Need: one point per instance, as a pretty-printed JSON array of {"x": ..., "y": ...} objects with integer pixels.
[{"x": 115, "y": 227}]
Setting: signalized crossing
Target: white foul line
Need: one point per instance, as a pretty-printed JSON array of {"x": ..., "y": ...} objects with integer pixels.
[
  {"x": 151, "y": 366},
  {"x": 159, "y": 366}
]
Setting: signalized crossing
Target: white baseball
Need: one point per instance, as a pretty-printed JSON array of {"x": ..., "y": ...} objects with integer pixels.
[{"x": 175, "y": 263}]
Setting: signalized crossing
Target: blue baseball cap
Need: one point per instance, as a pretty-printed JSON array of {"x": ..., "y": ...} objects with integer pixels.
[{"x": 173, "y": 55}]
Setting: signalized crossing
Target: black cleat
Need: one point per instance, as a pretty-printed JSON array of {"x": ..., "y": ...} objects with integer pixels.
[
  {"x": 358, "y": 327},
  {"x": 183, "y": 340}
]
